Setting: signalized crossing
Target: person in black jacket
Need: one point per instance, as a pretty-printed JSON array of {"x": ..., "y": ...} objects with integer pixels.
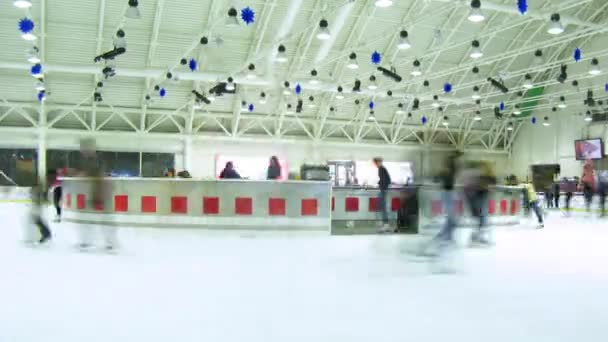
[
  {"x": 383, "y": 185},
  {"x": 229, "y": 172},
  {"x": 274, "y": 169}
]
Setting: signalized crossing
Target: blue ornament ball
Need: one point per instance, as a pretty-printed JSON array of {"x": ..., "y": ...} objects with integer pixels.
[
  {"x": 248, "y": 15},
  {"x": 371, "y": 105},
  {"x": 376, "y": 57},
  {"x": 192, "y": 64},
  {"x": 533, "y": 120},
  {"x": 36, "y": 69},
  {"x": 26, "y": 25},
  {"x": 578, "y": 55},
  {"x": 502, "y": 106},
  {"x": 424, "y": 120},
  {"x": 250, "y": 107},
  {"x": 162, "y": 92},
  {"x": 41, "y": 96},
  {"x": 298, "y": 89},
  {"x": 522, "y": 6},
  {"x": 447, "y": 88}
]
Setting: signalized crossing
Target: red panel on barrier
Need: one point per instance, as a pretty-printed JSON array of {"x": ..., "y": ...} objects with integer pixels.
[
  {"x": 333, "y": 204},
  {"x": 395, "y": 204},
  {"x": 276, "y": 206},
  {"x": 211, "y": 205},
  {"x": 148, "y": 204},
  {"x": 68, "y": 201},
  {"x": 491, "y": 207},
  {"x": 179, "y": 205},
  {"x": 310, "y": 207},
  {"x": 436, "y": 208},
  {"x": 121, "y": 203},
  {"x": 351, "y": 204},
  {"x": 80, "y": 201},
  {"x": 243, "y": 206},
  {"x": 503, "y": 207},
  {"x": 459, "y": 207},
  {"x": 514, "y": 207},
  {"x": 374, "y": 204}
]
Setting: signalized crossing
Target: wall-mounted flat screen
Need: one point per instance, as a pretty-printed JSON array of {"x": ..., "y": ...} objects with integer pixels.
[{"x": 589, "y": 149}]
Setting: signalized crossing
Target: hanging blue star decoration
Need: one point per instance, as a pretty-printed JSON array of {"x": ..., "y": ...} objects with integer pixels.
[
  {"x": 250, "y": 108},
  {"x": 371, "y": 105},
  {"x": 26, "y": 25},
  {"x": 192, "y": 64},
  {"x": 502, "y": 106},
  {"x": 376, "y": 57},
  {"x": 41, "y": 96},
  {"x": 36, "y": 69},
  {"x": 423, "y": 120},
  {"x": 447, "y": 88},
  {"x": 533, "y": 120},
  {"x": 578, "y": 55},
  {"x": 298, "y": 89},
  {"x": 606, "y": 87},
  {"x": 522, "y": 6},
  {"x": 162, "y": 92},
  {"x": 248, "y": 15}
]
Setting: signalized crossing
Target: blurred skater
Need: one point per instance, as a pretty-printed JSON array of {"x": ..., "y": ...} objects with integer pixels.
[
  {"x": 587, "y": 184},
  {"x": 58, "y": 192},
  {"x": 38, "y": 199},
  {"x": 602, "y": 190},
  {"x": 383, "y": 185},
  {"x": 533, "y": 203},
  {"x": 91, "y": 168},
  {"x": 556, "y": 194},
  {"x": 445, "y": 237},
  {"x": 486, "y": 180}
]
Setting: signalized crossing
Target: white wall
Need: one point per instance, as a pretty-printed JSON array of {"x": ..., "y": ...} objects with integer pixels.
[
  {"x": 204, "y": 150},
  {"x": 537, "y": 144}
]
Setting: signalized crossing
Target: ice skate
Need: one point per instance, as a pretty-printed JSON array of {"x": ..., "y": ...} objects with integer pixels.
[{"x": 44, "y": 239}]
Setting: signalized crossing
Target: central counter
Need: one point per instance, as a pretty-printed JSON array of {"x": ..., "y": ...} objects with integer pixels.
[
  {"x": 208, "y": 203},
  {"x": 289, "y": 205}
]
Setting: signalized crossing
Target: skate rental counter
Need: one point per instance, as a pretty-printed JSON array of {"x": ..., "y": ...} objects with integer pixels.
[{"x": 245, "y": 204}]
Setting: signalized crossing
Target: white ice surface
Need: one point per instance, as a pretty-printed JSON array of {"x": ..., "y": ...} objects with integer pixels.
[{"x": 208, "y": 286}]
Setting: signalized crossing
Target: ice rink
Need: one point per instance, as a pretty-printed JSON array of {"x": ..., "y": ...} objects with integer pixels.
[{"x": 196, "y": 285}]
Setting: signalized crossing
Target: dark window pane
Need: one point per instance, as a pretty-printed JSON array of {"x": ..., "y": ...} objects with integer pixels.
[
  {"x": 18, "y": 166},
  {"x": 156, "y": 164}
]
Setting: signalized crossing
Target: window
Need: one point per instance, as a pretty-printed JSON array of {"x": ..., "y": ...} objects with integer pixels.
[
  {"x": 156, "y": 164},
  {"x": 18, "y": 167},
  {"x": 119, "y": 164},
  {"x": 254, "y": 168}
]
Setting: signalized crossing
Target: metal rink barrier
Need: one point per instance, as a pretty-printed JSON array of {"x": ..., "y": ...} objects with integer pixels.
[{"x": 214, "y": 203}]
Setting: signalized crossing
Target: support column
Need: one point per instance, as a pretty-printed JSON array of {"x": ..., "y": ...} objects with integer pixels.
[
  {"x": 42, "y": 146},
  {"x": 187, "y": 153}
]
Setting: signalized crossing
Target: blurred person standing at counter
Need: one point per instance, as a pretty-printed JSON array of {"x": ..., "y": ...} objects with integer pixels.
[
  {"x": 99, "y": 190},
  {"x": 448, "y": 196},
  {"x": 588, "y": 184},
  {"x": 229, "y": 172},
  {"x": 274, "y": 169},
  {"x": 383, "y": 184}
]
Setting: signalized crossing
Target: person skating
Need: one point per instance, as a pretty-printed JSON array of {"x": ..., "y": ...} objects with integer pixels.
[
  {"x": 533, "y": 203},
  {"x": 587, "y": 185},
  {"x": 487, "y": 179},
  {"x": 556, "y": 194},
  {"x": 383, "y": 185},
  {"x": 38, "y": 220},
  {"x": 445, "y": 236}
]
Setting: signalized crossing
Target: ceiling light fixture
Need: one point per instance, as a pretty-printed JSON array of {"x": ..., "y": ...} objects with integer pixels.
[
  {"x": 404, "y": 42},
  {"x": 562, "y": 102},
  {"x": 311, "y": 99},
  {"x": 323, "y": 30},
  {"x": 232, "y": 20},
  {"x": 528, "y": 82},
  {"x": 476, "y": 95},
  {"x": 286, "y": 90},
  {"x": 340, "y": 95},
  {"x": 372, "y": 83},
  {"x": 445, "y": 121},
  {"x": 400, "y": 109},
  {"x": 313, "y": 74},
  {"x": 476, "y": 50},
  {"x": 588, "y": 116},
  {"x": 546, "y": 122},
  {"x": 516, "y": 110},
  {"x": 281, "y": 55},
  {"x": 476, "y": 15},
  {"x": 538, "y": 57},
  {"x": 477, "y": 116},
  {"x": 132, "y": 11},
  {"x": 436, "y": 103},
  {"x": 289, "y": 109},
  {"x": 22, "y": 3},
  {"x": 251, "y": 73},
  {"x": 416, "y": 71},
  {"x": 33, "y": 55},
  {"x": 510, "y": 126},
  {"x": 211, "y": 96},
  {"x": 372, "y": 116},
  {"x": 595, "y": 67},
  {"x": 384, "y": 3},
  {"x": 262, "y": 98},
  {"x": 352, "y": 61},
  {"x": 40, "y": 85},
  {"x": 555, "y": 26},
  {"x": 230, "y": 84}
]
